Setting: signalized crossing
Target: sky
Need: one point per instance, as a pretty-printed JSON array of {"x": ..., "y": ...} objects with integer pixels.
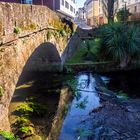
[{"x": 79, "y": 3}]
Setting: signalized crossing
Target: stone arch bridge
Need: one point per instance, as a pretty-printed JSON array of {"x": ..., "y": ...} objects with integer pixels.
[{"x": 30, "y": 39}]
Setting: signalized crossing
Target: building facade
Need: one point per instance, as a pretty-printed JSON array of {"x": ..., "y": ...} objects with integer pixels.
[
  {"x": 133, "y": 6},
  {"x": 65, "y": 8},
  {"x": 102, "y": 12},
  {"x": 92, "y": 12},
  {"x": 81, "y": 14}
]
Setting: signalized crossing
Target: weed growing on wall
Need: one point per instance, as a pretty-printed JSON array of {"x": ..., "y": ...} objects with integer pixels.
[
  {"x": 5, "y": 135},
  {"x": 17, "y": 30},
  {"x": 1, "y": 91}
]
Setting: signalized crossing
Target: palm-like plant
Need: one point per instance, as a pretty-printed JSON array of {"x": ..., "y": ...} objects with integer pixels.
[{"x": 120, "y": 42}]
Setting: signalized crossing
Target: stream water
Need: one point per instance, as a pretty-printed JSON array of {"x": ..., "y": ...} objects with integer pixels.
[
  {"x": 81, "y": 106},
  {"x": 46, "y": 89}
]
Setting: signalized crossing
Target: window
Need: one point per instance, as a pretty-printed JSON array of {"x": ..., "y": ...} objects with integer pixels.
[
  {"x": 66, "y": 4},
  {"x": 26, "y": 1},
  {"x": 71, "y": 8},
  {"x": 62, "y": 2},
  {"x": 135, "y": 9}
]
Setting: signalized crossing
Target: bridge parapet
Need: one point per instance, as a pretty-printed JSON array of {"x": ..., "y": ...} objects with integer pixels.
[{"x": 18, "y": 20}]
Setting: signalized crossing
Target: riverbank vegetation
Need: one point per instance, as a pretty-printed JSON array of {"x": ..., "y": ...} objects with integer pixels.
[{"x": 115, "y": 42}]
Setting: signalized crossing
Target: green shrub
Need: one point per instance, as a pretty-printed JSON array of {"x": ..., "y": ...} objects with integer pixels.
[
  {"x": 17, "y": 30},
  {"x": 7, "y": 135},
  {"x": 119, "y": 42},
  {"x": 123, "y": 14}
]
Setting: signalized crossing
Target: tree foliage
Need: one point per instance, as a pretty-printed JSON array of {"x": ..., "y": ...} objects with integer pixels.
[
  {"x": 120, "y": 42},
  {"x": 123, "y": 14}
]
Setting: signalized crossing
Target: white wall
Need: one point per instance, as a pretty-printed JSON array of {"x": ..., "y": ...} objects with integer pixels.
[
  {"x": 68, "y": 10},
  {"x": 128, "y": 2}
]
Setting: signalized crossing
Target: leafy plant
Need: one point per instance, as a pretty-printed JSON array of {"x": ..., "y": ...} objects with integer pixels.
[
  {"x": 32, "y": 107},
  {"x": 1, "y": 91},
  {"x": 26, "y": 130},
  {"x": 38, "y": 109},
  {"x": 62, "y": 32},
  {"x": 7, "y": 135},
  {"x": 120, "y": 42},
  {"x": 17, "y": 30},
  {"x": 123, "y": 14},
  {"x": 25, "y": 108},
  {"x": 22, "y": 121},
  {"x": 73, "y": 85}
]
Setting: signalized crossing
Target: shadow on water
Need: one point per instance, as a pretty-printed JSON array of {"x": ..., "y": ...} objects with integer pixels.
[
  {"x": 43, "y": 89},
  {"x": 37, "y": 89},
  {"x": 126, "y": 82}
]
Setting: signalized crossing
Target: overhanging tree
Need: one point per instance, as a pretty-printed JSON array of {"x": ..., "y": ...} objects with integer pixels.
[{"x": 109, "y": 9}]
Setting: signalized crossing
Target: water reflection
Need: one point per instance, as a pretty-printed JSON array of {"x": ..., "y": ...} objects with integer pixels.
[{"x": 80, "y": 107}]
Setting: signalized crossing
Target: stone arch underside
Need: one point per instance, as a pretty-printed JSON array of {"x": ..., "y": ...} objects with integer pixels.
[{"x": 43, "y": 57}]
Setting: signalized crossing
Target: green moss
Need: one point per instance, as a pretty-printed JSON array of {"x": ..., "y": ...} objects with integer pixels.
[
  {"x": 33, "y": 26},
  {"x": 7, "y": 135},
  {"x": 48, "y": 35},
  {"x": 1, "y": 91},
  {"x": 17, "y": 30},
  {"x": 62, "y": 32},
  {"x": 123, "y": 95}
]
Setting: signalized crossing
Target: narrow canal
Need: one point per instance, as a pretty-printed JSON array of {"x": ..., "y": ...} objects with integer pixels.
[{"x": 34, "y": 107}]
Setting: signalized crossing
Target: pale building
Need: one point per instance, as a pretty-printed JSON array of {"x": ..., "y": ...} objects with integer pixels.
[
  {"x": 92, "y": 12},
  {"x": 133, "y": 6},
  {"x": 81, "y": 13},
  {"x": 102, "y": 12},
  {"x": 66, "y": 7}
]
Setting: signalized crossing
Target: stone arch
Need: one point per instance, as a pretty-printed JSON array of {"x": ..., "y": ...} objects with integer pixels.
[{"x": 44, "y": 56}]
